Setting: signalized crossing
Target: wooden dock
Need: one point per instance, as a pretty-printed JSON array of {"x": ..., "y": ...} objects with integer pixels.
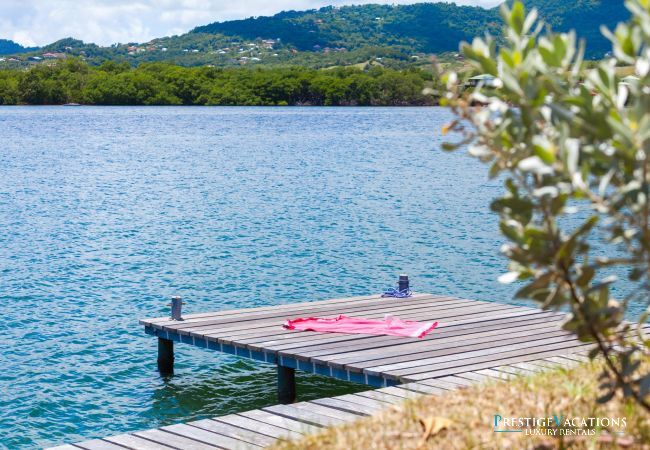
[
  {"x": 471, "y": 335},
  {"x": 474, "y": 341},
  {"x": 262, "y": 427}
]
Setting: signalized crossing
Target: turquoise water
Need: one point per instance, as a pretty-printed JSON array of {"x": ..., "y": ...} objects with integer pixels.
[{"x": 108, "y": 212}]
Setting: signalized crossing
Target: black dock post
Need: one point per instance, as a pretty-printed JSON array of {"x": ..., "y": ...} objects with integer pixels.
[
  {"x": 403, "y": 283},
  {"x": 165, "y": 357},
  {"x": 166, "y": 346},
  {"x": 286, "y": 385}
]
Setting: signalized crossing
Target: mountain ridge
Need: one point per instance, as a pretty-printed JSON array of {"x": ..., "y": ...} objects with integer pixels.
[
  {"x": 392, "y": 35},
  {"x": 9, "y": 47}
]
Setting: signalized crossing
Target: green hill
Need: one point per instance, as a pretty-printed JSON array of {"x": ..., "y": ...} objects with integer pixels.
[
  {"x": 422, "y": 27},
  {"x": 586, "y": 17},
  {"x": 8, "y": 47},
  {"x": 395, "y": 36},
  {"x": 426, "y": 27}
]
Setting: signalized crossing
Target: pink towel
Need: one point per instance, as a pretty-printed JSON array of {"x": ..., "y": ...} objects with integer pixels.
[{"x": 343, "y": 324}]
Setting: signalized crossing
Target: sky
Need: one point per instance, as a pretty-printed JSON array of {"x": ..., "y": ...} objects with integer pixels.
[{"x": 104, "y": 22}]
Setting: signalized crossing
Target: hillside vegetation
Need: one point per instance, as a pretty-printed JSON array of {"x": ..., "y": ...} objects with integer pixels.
[
  {"x": 422, "y": 27},
  {"x": 8, "y": 47},
  {"x": 396, "y": 36}
]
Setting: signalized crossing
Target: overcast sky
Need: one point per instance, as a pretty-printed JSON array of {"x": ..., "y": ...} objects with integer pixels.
[{"x": 40, "y": 22}]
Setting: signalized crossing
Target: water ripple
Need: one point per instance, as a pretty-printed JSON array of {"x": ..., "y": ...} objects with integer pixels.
[{"x": 107, "y": 212}]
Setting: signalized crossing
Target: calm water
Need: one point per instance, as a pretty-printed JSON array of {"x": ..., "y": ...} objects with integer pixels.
[{"x": 107, "y": 212}]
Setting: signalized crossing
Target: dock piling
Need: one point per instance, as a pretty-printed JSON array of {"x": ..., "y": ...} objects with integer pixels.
[
  {"x": 286, "y": 385},
  {"x": 165, "y": 356},
  {"x": 166, "y": 346}
]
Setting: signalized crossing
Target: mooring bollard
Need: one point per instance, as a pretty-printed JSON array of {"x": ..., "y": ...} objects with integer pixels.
[
  {"x": 177, "y": 307},
  {"x": 403, "y": 283}
]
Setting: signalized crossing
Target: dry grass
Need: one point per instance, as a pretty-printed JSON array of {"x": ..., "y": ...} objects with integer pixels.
[{"x": 471, "y": 412}]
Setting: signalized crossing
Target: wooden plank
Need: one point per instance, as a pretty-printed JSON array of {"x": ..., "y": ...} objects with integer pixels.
[
  {"x": 542, "y": 364},
  {"x": 423, "y": 389},
  {"x": 422, "y": 311},
  {"x": 311, "y": 340},
  {"x": 175, "y": 440},
  {"x": 279, "y": 421},
  {"x": 320, "y": 350},
  {"x": 480, "y": 321},
  {"x": 291, "y": 412},
  {"x": 258, "y": 427},
  {"x": 454, "y": 379},
  {"x": 274, "y": 327},
  {"x": 398, "y": 392},
  {"x": 499, "y": 358},
  {"x": 440, "y": 384},
  {"x": 549, "y": 363},
  {"x": 481, "y": 363},
  {"x": 381, "y": 396},
  {"x": 232, "y": 433},
  {"x": 413, "y": 309},
  {"x": 382, "y": 342},
  {"x": 314, "y": 351},
  {"x": 98, "y": 444},
  {"x": 430, "y": 349},
  {"x": 494, "y": 374},
  {"x": 205, "y": 315},
  {"x": 527, "y": 366},
  {"x": 512, "y": 370},
  {"x": 326, "y": 411},
  {"x": 364, "y": 401},
  {"x": 576, "y": 357},
  {"x": 65, "y": 447},
  {"x": 437, "y": 302},
  {"x": 459, "y": 359},
  {"x": 283, "y": 314},
  {"x": 290, "y": 339},
  {"x": 137, "y": 443},
  {"x": 364, "y": 356},
  {"x": 354, "y": 408},
  {"x": 474, "y": 376},
  {"x": 558, "y": 361},
  {"x": 156, "y": 320}
]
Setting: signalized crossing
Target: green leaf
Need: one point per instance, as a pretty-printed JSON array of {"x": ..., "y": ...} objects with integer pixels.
[
  {"x": 586, "y": 275},
  {"x": 517, "y": 17},
  {"x": 449, "y": 147}
]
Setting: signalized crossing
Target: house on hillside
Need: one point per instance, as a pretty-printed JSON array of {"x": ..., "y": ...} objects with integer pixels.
[
  {"x": 485, "y": 80},
  {"x": 50, "y": 55}
]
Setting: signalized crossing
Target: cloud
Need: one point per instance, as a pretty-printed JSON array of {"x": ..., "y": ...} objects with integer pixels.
[{"x": 40, "y": 22}]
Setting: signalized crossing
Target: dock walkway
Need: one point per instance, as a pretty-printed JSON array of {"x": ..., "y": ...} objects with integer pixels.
[
  {"x": 262, "y": 427},
  {"x": 474, "y": 341}
]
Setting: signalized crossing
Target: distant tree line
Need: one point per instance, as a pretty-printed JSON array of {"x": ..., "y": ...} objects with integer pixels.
[{"x": 73, "y": 81}]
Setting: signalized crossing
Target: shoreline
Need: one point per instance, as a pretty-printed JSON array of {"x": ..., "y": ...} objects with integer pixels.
[{"x": 434, "y": 105}]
